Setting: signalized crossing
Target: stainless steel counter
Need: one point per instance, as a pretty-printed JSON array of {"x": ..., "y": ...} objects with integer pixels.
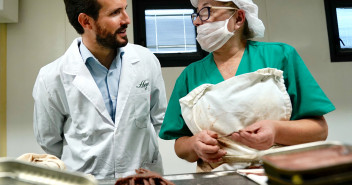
[
  {"x": 16, "y": 172},
  {"x": 211, "y": 178}
]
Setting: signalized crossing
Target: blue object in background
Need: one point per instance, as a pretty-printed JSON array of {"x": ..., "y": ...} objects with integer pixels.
[
  {"x": 344, "y": 21},
  {"x": 170, "y": 31}
]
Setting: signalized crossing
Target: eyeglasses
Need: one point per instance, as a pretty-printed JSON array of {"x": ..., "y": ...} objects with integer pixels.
[{"x": 204, "y": 13}]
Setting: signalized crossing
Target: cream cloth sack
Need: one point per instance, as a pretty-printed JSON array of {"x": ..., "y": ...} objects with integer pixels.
[{"x": 234, "y": 104}]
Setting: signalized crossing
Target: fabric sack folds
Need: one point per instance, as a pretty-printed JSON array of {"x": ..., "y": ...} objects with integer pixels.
[{"x": 235, "y": 103}]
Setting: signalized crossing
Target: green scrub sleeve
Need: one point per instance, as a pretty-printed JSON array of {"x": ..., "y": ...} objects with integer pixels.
[
  {"x": 174, "y": 126},
  {"x": 307, "y": 98}
]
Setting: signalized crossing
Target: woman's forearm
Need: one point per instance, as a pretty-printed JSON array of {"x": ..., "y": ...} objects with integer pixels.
[
  {"x": 301, "y": 131},
  {"x": 184, "y": 150}
]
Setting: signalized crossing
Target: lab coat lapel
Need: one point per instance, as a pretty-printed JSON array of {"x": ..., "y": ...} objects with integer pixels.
[
  {"x": 86, "y": 84},
  {"x": 127, "y": 78},
  {"x": 83, "y": 80}
]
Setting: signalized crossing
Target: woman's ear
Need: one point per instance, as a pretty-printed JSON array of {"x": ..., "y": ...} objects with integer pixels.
[
  {"x": 240, "y": 18},
  {"x": 85, "y": 21}
]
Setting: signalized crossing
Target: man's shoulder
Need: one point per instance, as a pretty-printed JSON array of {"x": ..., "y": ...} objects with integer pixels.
[
  {"x": 139, "y": 53},
  {"x": 51, "y": 70},
  {"x": 56, "y": 66},
  {"x": 137, "y": 48}
]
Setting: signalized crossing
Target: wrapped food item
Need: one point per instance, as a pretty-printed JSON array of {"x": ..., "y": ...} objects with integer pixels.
[
  {"x": 43, "y": 159},
  {"x": 143, "y": 177}
]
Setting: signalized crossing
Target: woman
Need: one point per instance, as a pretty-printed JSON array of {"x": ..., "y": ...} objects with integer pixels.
[{"x": 224, "y": 28}]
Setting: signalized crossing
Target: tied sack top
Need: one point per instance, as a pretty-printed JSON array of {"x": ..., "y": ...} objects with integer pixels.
[{"x": 235, "y": 103}]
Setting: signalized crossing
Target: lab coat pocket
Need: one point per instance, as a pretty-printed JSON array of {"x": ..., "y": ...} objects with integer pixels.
[
  {"x": 153, "y": 161},
  {"x": 141, "y": 110}
]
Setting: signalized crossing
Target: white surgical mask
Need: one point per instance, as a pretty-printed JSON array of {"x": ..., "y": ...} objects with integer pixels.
[{"x": 212, "y": 36}]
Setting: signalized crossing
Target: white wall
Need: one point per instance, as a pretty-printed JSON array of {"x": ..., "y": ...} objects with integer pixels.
[{"x": 43, "y": 34}]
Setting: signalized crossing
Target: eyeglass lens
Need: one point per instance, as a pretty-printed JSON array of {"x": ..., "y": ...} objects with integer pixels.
[{"x": 203, "y": 14}]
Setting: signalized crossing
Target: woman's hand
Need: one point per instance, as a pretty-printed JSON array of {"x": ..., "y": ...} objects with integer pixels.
[
  {"x": 259, "y": 135},
  {"x": 203, "y": 145},
  {"x": 263, "y": 134}
]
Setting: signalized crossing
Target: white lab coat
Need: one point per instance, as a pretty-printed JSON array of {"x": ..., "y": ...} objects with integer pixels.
[{"x": 72, "y": 122}]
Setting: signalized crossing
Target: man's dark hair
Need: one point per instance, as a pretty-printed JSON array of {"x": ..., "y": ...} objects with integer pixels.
[{"x": 75, "y": 7}]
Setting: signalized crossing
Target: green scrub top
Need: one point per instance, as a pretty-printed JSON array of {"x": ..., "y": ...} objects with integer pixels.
[{"x": 307, "y": 98}]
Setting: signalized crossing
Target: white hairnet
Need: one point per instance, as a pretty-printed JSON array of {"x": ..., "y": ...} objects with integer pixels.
[{"x": 255, "y": 25}]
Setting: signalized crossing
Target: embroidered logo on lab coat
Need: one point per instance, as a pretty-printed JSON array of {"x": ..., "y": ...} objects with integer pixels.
[{"x": 144, "y": 84}]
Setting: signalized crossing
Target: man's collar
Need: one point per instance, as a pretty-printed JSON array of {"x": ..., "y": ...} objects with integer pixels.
[{"x": 86, "y": 54}]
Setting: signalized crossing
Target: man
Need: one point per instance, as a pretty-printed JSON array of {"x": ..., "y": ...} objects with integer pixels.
[{"x": 99, "y": 107}]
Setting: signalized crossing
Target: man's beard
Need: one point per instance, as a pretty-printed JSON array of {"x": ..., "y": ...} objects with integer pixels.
[{"x": 109, "y": 40}]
